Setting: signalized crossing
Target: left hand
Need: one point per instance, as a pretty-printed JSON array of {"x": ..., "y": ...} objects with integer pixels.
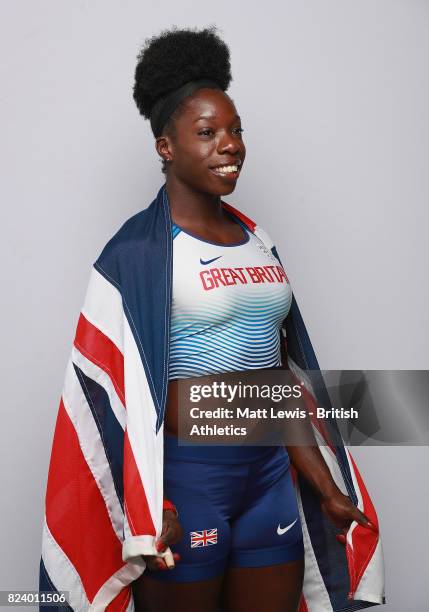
[
  {"x": 341, "y": 511},
  {"x": 171, "y": 534}
]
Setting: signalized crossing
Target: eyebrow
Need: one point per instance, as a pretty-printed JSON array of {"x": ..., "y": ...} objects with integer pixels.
[{"x": 212, "y": 117}]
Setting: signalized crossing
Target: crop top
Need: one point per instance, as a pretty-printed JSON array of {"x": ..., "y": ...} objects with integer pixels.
[{"x": 228, "y": 303}]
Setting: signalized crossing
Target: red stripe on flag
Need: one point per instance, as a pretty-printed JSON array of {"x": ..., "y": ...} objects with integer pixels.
[
  {"x": 121, "y": 601},
  {"x": 136, "y": 506},
  {"x": 250, "y": 224},
  {"x": 99, "y": 349},
  {"x": 364, "y": 540},
  {"x": 76, "y": 513},
  {"x": 302, "y": 604}
]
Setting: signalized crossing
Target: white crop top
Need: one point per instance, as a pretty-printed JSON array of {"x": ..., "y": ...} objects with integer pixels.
[{"x": 228, "y": 304}]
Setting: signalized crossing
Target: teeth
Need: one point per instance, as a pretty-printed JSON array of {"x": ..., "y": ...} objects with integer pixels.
[{"x": 226, "y": 169}]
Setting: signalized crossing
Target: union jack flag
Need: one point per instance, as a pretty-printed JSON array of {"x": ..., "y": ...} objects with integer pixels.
[
  {"x": 104, "y": 494},
  {"x": 206, "y": 537}
]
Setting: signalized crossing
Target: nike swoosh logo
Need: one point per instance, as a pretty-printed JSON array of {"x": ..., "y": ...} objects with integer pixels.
[
  {"x": 282, "y": 530},
  {"x": 204, "y": 263}
]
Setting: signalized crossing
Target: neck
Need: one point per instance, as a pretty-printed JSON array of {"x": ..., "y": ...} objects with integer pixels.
[{"x": 186, "y": 204}]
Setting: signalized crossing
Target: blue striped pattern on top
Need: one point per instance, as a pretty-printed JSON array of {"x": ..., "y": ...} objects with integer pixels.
[{"x": 228, "y": 305}]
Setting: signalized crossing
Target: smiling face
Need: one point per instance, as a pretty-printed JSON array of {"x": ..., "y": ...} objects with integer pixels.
[{"x": 204, "y": 143}]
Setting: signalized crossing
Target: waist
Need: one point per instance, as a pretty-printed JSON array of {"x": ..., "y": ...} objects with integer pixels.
[
  {"x": 171, "y": 419},
  {"x": 222, "y": 453}
]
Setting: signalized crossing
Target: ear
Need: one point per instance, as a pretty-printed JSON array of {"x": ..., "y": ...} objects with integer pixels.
[{"x": 163, "y": 147}]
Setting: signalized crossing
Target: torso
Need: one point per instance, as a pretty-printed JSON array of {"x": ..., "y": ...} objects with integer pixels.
[{"x": 229, "y": 300}]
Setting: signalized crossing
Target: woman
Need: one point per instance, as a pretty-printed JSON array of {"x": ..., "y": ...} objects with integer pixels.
[
  {"x": 151, "y": 317},
  {"x": 199, "y": 140}
]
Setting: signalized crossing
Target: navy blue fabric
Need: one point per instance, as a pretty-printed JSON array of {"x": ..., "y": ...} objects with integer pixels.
[
  {"x": 245, "y": 502},
  {"x": 46, "y": 584},
  {"x": 111, "y": 432},
  {"x": 138, "y": 261}
]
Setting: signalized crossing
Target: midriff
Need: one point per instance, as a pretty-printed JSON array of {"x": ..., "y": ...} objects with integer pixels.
[{"x": 174, "y": 450}]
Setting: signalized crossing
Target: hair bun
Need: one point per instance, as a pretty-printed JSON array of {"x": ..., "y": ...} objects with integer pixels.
[{"x": 176, "y": 56}]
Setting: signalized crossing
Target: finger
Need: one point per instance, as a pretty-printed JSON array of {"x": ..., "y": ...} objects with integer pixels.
[
  {"x": 363, "y": 520},
  {"x": 169, "y": 559},
  {"x": 168, "y": 517},
  {"x": 165, "y": 539},
  {"x": 341, "y": 538},
  {"x": 161, "y": 565},
  {"x": 343, "y": 534},
  {"x": 154, "y": 563},
  {"x": 165, "y": 560},
  {"x": 162, "y": 544},
  {"x": 167, "y": 534}
]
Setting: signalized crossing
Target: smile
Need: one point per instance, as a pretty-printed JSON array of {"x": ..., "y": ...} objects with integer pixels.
[{"x": 228, "y": 172}]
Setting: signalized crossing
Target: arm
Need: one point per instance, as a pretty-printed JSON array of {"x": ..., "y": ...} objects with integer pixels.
[
  {"x": 309, "y": 462},
  {"x": 307, "y": 459}
]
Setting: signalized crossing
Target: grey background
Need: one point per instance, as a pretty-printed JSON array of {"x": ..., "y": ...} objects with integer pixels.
[{"x": 334, "y": 97}]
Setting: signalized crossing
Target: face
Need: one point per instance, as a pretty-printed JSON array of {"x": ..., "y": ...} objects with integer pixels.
[{"x": 205, "y": 148}]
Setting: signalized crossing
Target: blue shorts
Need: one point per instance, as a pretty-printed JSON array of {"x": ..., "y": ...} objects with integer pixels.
[{"x": 236, "y": 513}]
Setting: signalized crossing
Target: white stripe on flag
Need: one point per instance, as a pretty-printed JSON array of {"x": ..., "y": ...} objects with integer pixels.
[
  {"x": 371, "y": 584},
  {"x": 359, "y": 498},
  {"x": 123, "y": 577},
  {"x": 103, "y": 308},
  {"x": 131, "y": 606},
  {"x": 314, "y": 589},
  {"x": 62, "y": 572},
  {"x": 91, "y": 445},
  {"x": 147, "y": 447},
  {"x": 96, "y": 373}
]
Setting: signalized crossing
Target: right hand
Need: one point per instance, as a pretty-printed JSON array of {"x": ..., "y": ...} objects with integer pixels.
[{"x": 171, "y": 534}]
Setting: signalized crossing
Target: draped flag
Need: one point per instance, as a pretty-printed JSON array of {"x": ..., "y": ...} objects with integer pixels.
[{"x": 104, "y": 491}]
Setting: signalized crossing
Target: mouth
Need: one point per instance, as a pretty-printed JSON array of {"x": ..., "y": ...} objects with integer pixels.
[{"x": 228, "y": 172}]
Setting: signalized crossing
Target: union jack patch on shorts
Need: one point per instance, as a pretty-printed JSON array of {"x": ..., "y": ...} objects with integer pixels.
[{"x": 207, "y": 537}]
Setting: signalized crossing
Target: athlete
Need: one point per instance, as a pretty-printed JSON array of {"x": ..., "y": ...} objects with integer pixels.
[{"x": 232, "y": 520}]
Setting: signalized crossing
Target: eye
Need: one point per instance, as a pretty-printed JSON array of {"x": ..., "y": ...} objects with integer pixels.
[
  {"x": 205, "y": 132},
  {"x": 238, "y": 130}
]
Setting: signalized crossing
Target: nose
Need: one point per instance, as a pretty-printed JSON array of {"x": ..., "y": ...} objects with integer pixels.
[{"x": 228, "y": 143}]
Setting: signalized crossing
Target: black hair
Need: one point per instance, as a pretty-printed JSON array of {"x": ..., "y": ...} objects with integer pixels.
[{"x": 174, "y": 57}]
